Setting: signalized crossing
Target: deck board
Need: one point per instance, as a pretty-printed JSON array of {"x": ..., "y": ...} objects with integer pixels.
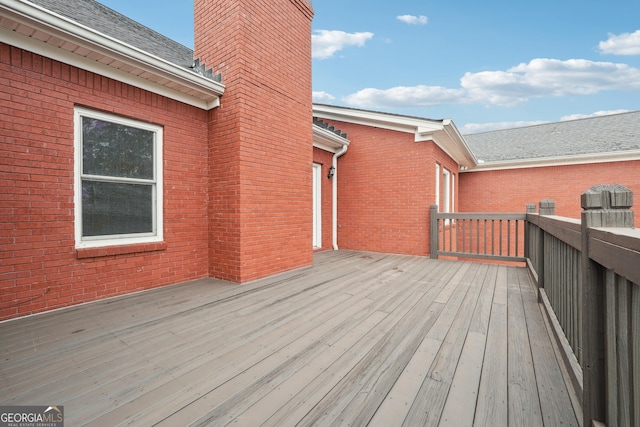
[{"x": 356, "y": 339}]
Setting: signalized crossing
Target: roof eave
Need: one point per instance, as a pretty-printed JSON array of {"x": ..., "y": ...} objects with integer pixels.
[
  {"x": 443, "y": 133},
  {"x": 33, "y": 28},
  {"x": 578, "y": 159},
  {"x": 326, "y": 140}
]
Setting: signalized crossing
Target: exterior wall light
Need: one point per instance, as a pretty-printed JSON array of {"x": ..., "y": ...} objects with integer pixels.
[{"x": 332, "y": 171}]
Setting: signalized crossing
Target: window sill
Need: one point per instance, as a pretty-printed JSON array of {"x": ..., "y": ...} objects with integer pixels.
[{"x": 120, "y": 250}]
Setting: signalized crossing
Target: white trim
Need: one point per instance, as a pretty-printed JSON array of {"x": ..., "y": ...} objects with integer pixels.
[
  {"x": 453, "y": 192},
  {"x": 437, "y": 184},
  {"x": 579, "y": 159},
  {"x": 326, "y": 140},
  {"x": 33, "y": 28},
  {"x": 158, "y": 200},
  {"x": 441, "y": 132},
  {"x": 317, "y": 206},
  {"x": 446, "y": 178}
]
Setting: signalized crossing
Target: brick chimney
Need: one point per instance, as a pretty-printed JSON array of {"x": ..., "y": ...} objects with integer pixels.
[{"x": 260, "y": 138}]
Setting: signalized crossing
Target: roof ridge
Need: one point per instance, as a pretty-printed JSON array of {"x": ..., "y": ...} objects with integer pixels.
[{"x": 602, "y": 116}]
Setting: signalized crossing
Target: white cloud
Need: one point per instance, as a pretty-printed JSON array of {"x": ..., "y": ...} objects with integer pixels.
[
  {"x": 540, "y": 78},
  {"x": 413, "y": 20},
  {"x": 596, "y": 114},
  {"x": 323, "y": 97},
  {"x": 549, "y": 78},
  {"x": 404, "y": 96},
  {"x": 622, "y": 44},
  {"x": 325, "y": 43}
]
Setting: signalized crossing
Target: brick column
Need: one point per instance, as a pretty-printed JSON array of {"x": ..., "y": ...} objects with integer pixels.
[{"x": 260, "y": 138}]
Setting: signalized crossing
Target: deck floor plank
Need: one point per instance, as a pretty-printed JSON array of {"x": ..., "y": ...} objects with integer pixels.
[
  {"x": 555, "y": 403},
  {"x": 524, "y": 403},
  {"x": 356, "y": 339}
]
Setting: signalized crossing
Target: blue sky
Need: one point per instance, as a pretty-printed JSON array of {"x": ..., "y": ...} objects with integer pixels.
[{"x": 486, "y": 65}]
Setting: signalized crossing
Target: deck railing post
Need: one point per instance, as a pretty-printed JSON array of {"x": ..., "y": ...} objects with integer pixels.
[
  {"x": 547, "y": 207},
  {"x": 434, "y": 235},
  {"x": 531, "y": 209},
  {"x": 603, "y": 206}
]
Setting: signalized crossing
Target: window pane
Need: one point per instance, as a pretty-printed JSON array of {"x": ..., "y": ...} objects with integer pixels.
[
  {"x": 111, "y": 208},
  {"x": 111, "y": 149}
]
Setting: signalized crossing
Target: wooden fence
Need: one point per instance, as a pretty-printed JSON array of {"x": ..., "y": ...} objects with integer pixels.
[
  {"x": 588, "y": 276},
  {"x": 478, "y": 235}
]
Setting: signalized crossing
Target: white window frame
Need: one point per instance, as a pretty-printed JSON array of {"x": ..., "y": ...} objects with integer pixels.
[
  {"x": 438, "y": 185},
  {"x": 157, "y": 234},
  {"x": 453, "y": 192},
  {"x": 446, "y": 175}
]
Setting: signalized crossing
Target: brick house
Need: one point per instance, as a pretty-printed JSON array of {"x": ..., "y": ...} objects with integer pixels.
[
  {"x": 129, "y": 162},
  {"x": 551, "y": 161},
  {"x": 121, "y": 169},
  {"x": 395, "y": 168}
]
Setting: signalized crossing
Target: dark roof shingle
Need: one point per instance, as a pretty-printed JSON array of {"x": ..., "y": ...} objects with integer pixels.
[
  {"x": 107, "y": 21},
  {"x": 595, "y": 135}
]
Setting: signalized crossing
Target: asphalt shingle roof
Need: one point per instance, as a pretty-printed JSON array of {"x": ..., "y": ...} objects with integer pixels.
[
  {"x": 322, "y": 124},
  {"x": 603, "y": 134},
  {"x": 99, "y": 17}
]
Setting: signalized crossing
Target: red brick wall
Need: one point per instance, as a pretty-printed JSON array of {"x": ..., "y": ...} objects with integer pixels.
[
  {"x": 445, "y": 162},
  {"x": 511, "y": 190},
  {"x": 39, "y": 267},
  {"x": 385, "y": 188},
  {"x": 260, "y": 139},
  {"x": 324, "y": 158}
]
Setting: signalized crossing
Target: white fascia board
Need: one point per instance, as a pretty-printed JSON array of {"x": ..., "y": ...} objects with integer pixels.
[
  {"x": 580, "y": 159},
  {"x": 371, "y": 118},
  {"x": 326, "y": 140},
  {"x": 190, "y": 87},
  {"x": 443, "y": 133}
]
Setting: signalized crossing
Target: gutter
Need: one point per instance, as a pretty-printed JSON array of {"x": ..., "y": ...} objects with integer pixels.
[
  {"x": 60, "y": 38},
  {"x": 578, "y": 159},
  {"x": 334, "y": 194}
]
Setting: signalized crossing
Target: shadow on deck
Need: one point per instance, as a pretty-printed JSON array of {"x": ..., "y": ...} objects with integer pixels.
[{"x": 359, "y": 338}]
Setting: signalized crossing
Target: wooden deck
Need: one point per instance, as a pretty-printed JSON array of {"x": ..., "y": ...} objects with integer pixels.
[{"x": 357, "y": 339}]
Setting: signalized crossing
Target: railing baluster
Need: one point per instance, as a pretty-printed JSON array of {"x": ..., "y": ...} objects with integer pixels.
[
  {"x": 477, "y": 236},
  {"x": 464, "y": 246},
  {"x": 517, "y": 231},
  {"x": 508, "y": 237},
  {"x": 485, "y": 236},
  {"x": 464, "y": 228},
  {"x": 493, "y": 237}
]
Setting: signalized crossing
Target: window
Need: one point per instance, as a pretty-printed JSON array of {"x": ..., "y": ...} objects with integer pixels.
[
  {"x": 446, "y": 203},
  {"x": 437, "y": 184},
  {"x": 118, "y": 182}
]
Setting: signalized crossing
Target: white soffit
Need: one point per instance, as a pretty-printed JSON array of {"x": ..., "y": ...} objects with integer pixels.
[
  {"x": 33, "y": 28},
  {"x": 326, "y": 140}
]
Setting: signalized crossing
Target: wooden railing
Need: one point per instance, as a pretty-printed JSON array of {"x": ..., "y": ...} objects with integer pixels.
[
  {"x": 477, "y": 235},
  {"x": 588, "y": 277},
  {"x": 588, "y": 274}
]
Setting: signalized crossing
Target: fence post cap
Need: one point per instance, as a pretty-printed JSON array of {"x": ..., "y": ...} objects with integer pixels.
[
  {"x": 607, "y": 196},
  {"x": 547, "y": 207}
]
